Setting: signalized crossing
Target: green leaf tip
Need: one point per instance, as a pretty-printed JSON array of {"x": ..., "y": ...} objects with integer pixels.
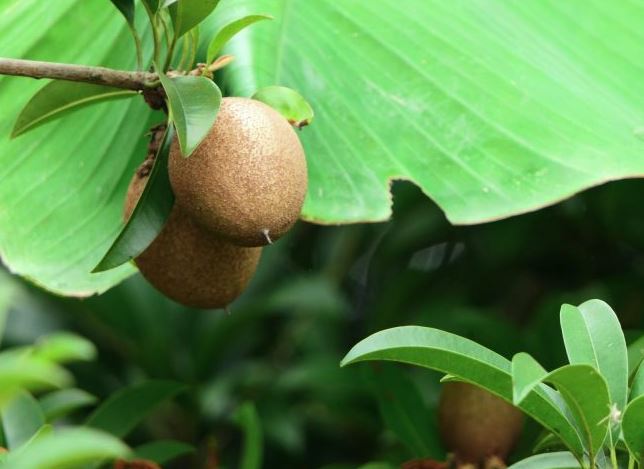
[
  {"x": 287, "y": 102},
  {"x": 229, "y": 30}
]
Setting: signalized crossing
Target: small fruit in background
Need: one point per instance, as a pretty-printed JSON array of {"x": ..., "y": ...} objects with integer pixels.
[
  {"x": 476, "y": 425},
  {"x": 247, "y": 180},
  {"x": 188, "y": 263}
]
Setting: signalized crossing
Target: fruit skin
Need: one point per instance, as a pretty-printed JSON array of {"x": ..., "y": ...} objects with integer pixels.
[
  {"x": 247, "y": 179},
  {"x": 475, "y": 424},
  {"x": 189, "y": 264}
]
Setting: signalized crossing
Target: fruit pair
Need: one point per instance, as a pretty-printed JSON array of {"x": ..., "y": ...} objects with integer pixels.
[{"x": 242, "y": 188}]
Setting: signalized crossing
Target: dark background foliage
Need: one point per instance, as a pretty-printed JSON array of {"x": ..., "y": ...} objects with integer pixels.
[{"x": 320, "y": 290}]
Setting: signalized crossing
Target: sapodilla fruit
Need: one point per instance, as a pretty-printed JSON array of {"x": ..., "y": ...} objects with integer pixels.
[
  {"x": 247, "y": 179},
  {"x": 189, "y": 264},
  {"x": 475, "y": 424}
]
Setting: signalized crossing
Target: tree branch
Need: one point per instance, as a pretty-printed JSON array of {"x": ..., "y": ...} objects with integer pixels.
[{"x": 83, "y": 73}]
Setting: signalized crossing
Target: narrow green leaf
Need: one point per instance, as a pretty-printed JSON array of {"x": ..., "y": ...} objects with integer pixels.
[
  {"x": 8, "y": 289},
  {"x": 59, "y": 98},
  {"x": 403, "y": 410},
  {"x": 194, "y": 103},
  {"x": 635, "y": 355},
  {"x": 162, "y": 451},
  {"x": 149, "y": 215},
  {"x": 151, "y": 5},
  {"x": 287, "y": 102},
  {"x": 126, "y": 409},
  {"x": 61, "y": 403},
  {"x": 67, "y": 448},
  {"x": 187, "y": 14},
  {"x": 21, "y": 419},
  {"x": 586, "y": 393},
  {"x": 41, "y": 433},
  {"x": 548, "y": 443},
  {"x": 252, "y": 453},
  {"x": 126, "y": 7},
  {"x": 592, "y": 335},
  {"x": 167, "y": 3},
  {"x": 527, "y": 373},
  {"x": 463, "y": 358},
  {"x": 18, "y": 371},
  {"x": 64, "y": 347},
  {"x": 637, "y": 386},
  {"x": 558, "y": 460},
  {"x": 228, "y": 31},
  {"x": 633, "y": 427}
]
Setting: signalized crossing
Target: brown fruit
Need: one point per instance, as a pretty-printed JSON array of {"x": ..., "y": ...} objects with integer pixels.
[
  {"x": 476, "y": 424},
  {"x": 247, "y": 180},
  {"x": 189, "y": 264}
]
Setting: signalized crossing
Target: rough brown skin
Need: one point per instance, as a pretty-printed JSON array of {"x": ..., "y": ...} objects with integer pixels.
[
  {"x": 475, "y": 424},
  {"x": 247, "y": 180},
  {"x": 189, "y": 264}
]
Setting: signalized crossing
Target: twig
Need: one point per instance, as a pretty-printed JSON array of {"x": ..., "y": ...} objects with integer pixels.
[{"x": 83, "y": 73}]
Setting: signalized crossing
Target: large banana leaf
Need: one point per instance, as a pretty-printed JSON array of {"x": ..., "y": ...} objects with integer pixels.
[{"x": 492, "y": 108}]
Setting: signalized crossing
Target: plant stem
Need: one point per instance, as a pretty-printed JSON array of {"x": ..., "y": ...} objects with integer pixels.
[{"x": 82, "y": 73}]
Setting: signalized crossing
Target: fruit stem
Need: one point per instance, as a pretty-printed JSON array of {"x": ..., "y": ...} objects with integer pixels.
[{"x": 81, "y": 73}]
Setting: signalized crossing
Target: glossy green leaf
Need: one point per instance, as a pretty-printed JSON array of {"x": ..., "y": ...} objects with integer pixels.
[
  {"x": 586, "y": 393},
  {"x": 67, "y": 448},
  {"x": 465, "y": 359},
  {"x": 633, "y": 427},
  {"x": 194, "y": 103},
  {"x": 491, "y": 108},
  {"x": 635, "y": 355},
  {"x": 151, "y": 5},
  {"x": 61, "y": 403},
  {"x": 404, "y": 411},
  {"x": 126, "y": 7},
  {"x": 187, "y": 14},
  {"x": 22, "y": 417},
  {"x": 127, "y": 408},
  {"x": 149, "y": 215},
  {"x": 62, "y": 185},
  {"x": 527, "y": 373},
  {"x": 558, "y": 460},
  {"x": 64, "y": 347},
  {"x": 637, "y": 386},
  {"x": 252, "y": 452},
  {"x": 228, "y": 31},
  {"x": 162, "y": 451},
  {"x": 41, "y": 433},
  {"x": 287, "y": 102},
  {"x": 592, "y": 334}
]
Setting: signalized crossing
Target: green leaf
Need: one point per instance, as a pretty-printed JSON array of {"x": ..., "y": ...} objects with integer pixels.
[
  {"x": 637, "y": 387},
  {"x": 633, "y": 427},
  {"x": 465, "y": 359},
  {"x": 527, "y": 373},
  {"x": 592, "y": 335},
  {"x": 149, "y": 215},
  {"x": 586, "y": 393},
  {"x": 491, "y": 108},
  {"x": 127, "y": 408},
  {"x": 21, "y": 419},
  {"x": 228, "y": 31},
  {"x": 558, "y": 460},
  {"x": 151, "y": 5},
  {"x": 252, "y": 453},
  {"x": 287, "y": 102},
  {"x": 194, "y": 104},
  {"x": 62, "y": 185},
  {"x": 18, "y": 371},
  {"x": 126, "y": 7},
  {"x": 67, "y": 448},
  {"x": 61, "y": 403},
  {"x": 64, "y": 347},
  {"x": 404, "y": 411},
  {"x": 635, "y": 355},
  {"x": 162, "y": 451},
  {"x": 187, "y": 14},
  {"x": 42, "y": 432}
]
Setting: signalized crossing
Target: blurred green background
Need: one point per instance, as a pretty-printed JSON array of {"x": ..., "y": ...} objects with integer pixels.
[{"x": 319, "y": 291}]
